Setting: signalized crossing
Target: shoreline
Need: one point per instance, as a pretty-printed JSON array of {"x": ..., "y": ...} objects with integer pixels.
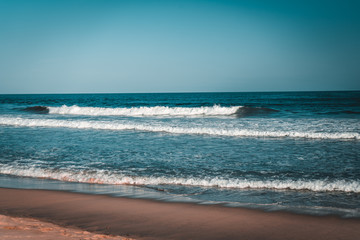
[{"x": 149, "y": 219}]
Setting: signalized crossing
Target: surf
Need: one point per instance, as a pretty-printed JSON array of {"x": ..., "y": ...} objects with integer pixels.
[
  {"x": 215, "y": 110},
  {"x": 106, "y": 177},
  {"x": 215, "y": 131}
]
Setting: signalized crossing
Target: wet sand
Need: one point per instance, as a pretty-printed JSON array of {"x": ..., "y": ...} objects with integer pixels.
[{"x": 146, "y": 219}]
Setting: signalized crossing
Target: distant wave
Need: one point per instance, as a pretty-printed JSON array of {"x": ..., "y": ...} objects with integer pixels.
[
  {"x": 232, "y": 132},
  {"x": 253, "y": 111},
  {"x": 238, "y": 111},
  {"x": 145, "y": 111},
  {"x": 104, "y": 177},
  {"x": 37, "y": 109}
]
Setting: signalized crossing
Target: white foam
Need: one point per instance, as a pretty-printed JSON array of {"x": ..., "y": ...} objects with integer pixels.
[
  {"x": 104, "y": 177},
  {"x": 145, "y": 111},
  {"x": 217, "y": 131}
]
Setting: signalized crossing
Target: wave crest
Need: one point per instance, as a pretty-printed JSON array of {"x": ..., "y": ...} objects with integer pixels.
[
  {"x": 104, "y": 177},
  {"x": 145, "y": 111},
  {"x": 253, "y": 111},
  {"x": 37, "y": 109},
  {"x": 230, "y": 132}
]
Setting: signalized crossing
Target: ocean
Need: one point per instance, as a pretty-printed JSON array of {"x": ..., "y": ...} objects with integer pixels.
[{"x": 287, "y": 151}]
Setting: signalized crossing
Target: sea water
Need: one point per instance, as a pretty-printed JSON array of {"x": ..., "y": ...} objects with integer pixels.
[{"x": 292, "y": 151}]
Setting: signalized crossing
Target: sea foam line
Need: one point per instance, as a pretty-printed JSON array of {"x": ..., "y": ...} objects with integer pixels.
[
  {"x": 104, "y": 177},
  {"x": 145, "y": 111},
  {"x": 231, "y": 132}
]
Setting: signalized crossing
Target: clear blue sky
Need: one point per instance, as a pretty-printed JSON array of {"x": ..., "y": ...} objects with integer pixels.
[{"x": 78, "y": 46}]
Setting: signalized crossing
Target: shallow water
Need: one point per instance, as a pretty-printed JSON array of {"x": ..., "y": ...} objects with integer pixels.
[{"x": 295, "y": 151}]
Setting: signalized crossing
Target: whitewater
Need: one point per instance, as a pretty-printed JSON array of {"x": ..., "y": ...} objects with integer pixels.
[
  {"x": 233, "y": 132},
  {"x": 106, "y": 177},
  {"x": 293, "y": 151},
  {"x": 145, "y": 111}
]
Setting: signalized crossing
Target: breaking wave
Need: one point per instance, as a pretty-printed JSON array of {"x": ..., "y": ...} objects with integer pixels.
[
  {"x": 253, "y": 111},
  {"x": 145, "y": 111},
  {"x": 37, "y": 109},
  {"x": 105, "y": 177},
  {"x": 231, "y": 132}
]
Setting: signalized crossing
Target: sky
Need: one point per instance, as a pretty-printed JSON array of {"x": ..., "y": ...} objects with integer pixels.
[{"x": 105, "y": 46}]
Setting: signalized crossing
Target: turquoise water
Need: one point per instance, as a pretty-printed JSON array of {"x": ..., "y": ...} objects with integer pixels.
[{"x": 293, "y": 151}]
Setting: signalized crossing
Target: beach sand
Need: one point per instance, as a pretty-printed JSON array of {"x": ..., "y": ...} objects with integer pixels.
[
  {"x": 146, "y": 219},
  {"x": 12, "y": 228}
]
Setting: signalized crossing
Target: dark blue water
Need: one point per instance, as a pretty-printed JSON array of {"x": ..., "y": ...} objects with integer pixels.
[{"x": 295, "y": 151}]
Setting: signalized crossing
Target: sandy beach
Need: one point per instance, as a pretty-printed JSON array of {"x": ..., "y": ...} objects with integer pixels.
[
  {"x": 145, "y": 219},
  {"x": 28, "y": 228},
  {"x": 179, "y": 120}
]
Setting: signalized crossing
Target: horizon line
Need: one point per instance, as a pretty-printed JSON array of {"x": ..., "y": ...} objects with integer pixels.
[{"x": 169, "y": 92}]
